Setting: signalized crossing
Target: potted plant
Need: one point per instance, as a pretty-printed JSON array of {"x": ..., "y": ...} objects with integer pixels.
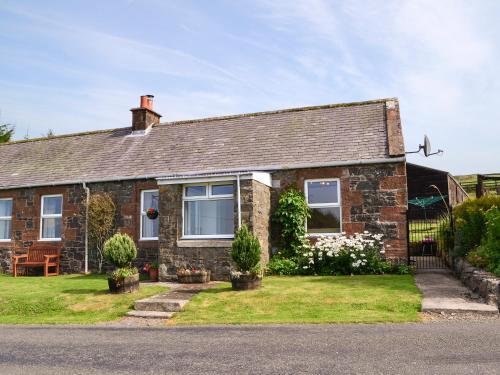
[
  {"x": 152, "y": 270},
  {"x": 193, "y": 275},
  {"x": 120, "y": 251},
  {"x": 246, "y": 254}
]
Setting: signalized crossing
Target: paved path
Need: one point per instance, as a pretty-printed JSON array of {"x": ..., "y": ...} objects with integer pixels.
[
  {"x": 432, "y": 348},
  {"x": 444, "y": 293}
]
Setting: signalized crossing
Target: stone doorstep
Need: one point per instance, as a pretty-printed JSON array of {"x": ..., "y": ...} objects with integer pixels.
[
  {"x": 150, "y": 314},
  {"x": 160, "y": 304},
  {"x": 456, "y": 305}
]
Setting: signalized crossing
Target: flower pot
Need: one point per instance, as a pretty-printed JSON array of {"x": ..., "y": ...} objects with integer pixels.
[
  {"x": 246, "y": 282},
  {"x": 153, "y": 275},
  {"x": 194, "y": 277},
  {"x": 126, "y": 285}
]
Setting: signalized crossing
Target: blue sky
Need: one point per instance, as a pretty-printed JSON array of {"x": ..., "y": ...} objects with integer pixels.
[{"x": 81, "y": 65}]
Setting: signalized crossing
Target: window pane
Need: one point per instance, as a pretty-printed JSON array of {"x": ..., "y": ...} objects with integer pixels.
[
  {"x": 52, "y": 205},
  {"x": 150, "y": 200},
  {"x": 5, "y": 226},
  {"x": 324, "y": 220},
  {"x": 222, "y": 189},
  {"x": 209, "y": 217},
  {"x": 51, "y": 228},
  {"x": 149, "y": 227},
  {"x": 6, "y": 207},
  {"x": 322, "y": 192},
  {"x": 196, "y": 191}
]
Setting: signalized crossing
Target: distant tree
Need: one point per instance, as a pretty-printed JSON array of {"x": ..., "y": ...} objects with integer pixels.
[
  {"x": 50, "y": 134},
  {"x": 6, "y": 133}
]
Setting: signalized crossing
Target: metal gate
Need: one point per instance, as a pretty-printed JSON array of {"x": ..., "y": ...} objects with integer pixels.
[{"x": 430, "y": 237}]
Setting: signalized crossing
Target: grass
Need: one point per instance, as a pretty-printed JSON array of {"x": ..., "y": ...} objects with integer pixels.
[
  {"x": 314, "y": 299},
  {"x": 63, "y": 300}
]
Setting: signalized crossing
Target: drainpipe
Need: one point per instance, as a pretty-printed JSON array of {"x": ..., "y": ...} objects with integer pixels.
[
  {"x": 87, "y": 201},
  {"x": 239, "y": 199}
]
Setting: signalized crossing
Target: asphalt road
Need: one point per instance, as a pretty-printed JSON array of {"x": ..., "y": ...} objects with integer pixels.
[{"x": 433, "y": 348}]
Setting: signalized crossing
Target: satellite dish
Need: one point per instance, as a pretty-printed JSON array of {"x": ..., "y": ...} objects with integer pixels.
[{"x": 427, "y": 146}]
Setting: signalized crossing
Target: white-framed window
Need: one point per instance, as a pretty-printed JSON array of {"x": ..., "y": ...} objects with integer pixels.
[
  {"x": 208, "y": 210},
  {"x": 323, "y": 199},
  {"x": 51, "y": 217},
  {"x": 5, "y": 219},
  {"x": 149, "y": 227}
]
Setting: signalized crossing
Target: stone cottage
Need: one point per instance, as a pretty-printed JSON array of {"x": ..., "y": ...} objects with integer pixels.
[{"x": 206, "y": 177}]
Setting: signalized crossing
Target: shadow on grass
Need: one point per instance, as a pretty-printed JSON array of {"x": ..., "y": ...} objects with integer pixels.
[
  {"x": 93, "y": 276},
  {"x": 85, "y": 291}
]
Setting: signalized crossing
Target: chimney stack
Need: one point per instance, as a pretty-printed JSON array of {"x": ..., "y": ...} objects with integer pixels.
[{"x": 143, "y": 117}]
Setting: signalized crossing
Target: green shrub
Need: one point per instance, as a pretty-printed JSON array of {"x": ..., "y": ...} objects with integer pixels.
[
  {"x": 291, "y": 215},
  {"x": 120, "y": 250},
  {"x": 282, "y": 267},
  {"x": 487, "y": 255},
  {"x": 246, "y": 250},
  {"x": 470, "y": 223}
]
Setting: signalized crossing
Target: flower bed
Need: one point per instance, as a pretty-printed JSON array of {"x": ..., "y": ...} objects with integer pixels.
[{"x": 361, "y": 253}]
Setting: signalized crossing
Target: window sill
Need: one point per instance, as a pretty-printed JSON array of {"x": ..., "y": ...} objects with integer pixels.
[
  {"x": 204, "y": 242},
  {"x": 315, "y": 235},
  {"x": 5, "y": 241},
  {"x": 148, "y": 239},
  {"x": 50, "y": 240}
]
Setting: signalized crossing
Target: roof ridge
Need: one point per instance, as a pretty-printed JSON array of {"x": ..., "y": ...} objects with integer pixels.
[
  {"x": 69, "y": 135},
  {"x": 278, "y": 111}
]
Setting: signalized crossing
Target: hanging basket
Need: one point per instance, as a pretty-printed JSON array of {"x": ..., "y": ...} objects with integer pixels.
[{"x": 152, "y": 213}]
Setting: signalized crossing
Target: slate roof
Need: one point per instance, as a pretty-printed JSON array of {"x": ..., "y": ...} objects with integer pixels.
[{"x": 330, "y": 134}]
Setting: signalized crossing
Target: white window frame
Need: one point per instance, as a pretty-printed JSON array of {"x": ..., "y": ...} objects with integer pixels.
[
  {"x": 144, "y": 214},
  {"x": 7, "y": 218},
  {"x": 50, "y": 216},
  {"x": 208, "y": 196},
  {"x": 324, "y": 205}
]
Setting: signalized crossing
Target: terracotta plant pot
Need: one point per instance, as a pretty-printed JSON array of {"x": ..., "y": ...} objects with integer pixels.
[
  {"x": 126, "y": 285},
  {"x": 246, "y": 282},
  {"x": 153, "y": 275},
  {"x": 194, "y": 278}
]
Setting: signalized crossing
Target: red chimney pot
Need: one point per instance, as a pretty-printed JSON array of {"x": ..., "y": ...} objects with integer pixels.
[{"x": 147, "y": 102}]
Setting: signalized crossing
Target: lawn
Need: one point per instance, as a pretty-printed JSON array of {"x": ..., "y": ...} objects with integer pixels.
[
  {"x": 314, "y": 299},
  {"x": 63, "y": 299}
]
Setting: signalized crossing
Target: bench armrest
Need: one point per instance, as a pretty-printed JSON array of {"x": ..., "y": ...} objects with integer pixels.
[
  {"x": 49, "y": 257},
  {"x": 18, "y": 257}
]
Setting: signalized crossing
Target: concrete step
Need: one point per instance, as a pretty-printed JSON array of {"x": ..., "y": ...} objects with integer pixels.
[
  {"x": 160, "y": 304},
  {"x": 150, "y": 314},
  {"x": 456, "y": 305}
]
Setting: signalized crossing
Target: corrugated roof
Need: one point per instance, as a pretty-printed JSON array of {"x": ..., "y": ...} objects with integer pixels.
[{"x": 279, "y": 139}]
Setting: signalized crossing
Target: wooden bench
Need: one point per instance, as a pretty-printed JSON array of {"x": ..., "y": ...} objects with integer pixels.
[{"x": 38, "y": 256}]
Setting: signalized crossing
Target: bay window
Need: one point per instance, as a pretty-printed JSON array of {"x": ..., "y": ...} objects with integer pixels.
[
  {"x": 149, "y": 226},
  {"x": 323, "y": 199},
  {"x": 51, "y": 217},
  {"x": 208, "y": 210},
  {"x": 5, "y": 219}
]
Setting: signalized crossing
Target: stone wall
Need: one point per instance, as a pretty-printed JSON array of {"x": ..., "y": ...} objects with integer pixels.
[
  {"x": 480, "y": 282},
  {"x": 26, "y": 225},
  {"x": 127, "y": 198},
  {"x": 26, "y": 221},
  {"x": 212, "y": 254},
  {"x": 373, "y": 198}
]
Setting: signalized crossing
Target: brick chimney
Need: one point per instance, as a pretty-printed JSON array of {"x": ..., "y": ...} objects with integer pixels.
[{"x": 143, "y": 117}]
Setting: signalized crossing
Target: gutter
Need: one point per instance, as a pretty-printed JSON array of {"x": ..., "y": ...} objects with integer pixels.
[{"x": 230, "y": 170}]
